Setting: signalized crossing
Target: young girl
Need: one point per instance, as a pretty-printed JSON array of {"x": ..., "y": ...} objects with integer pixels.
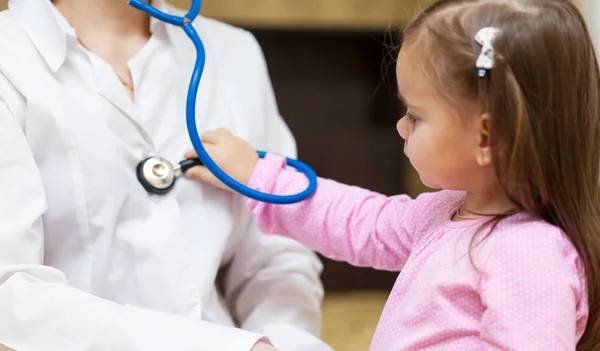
[{"x": 503, "y": 103}]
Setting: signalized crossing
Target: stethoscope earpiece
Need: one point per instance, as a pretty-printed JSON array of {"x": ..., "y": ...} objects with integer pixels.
[{"x": 157, "y": 175}]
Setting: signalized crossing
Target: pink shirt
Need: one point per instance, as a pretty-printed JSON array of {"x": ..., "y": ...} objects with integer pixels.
[{"x": 529, "y": 293}]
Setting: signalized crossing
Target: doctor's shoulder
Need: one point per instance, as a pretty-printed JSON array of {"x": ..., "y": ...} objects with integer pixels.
[
  {"x": 14, "y": 39},
  {"x": 242, "y": 70},
  {"x": 17, "y": 56},
  {"x": 237, "y": 57},
  {"x": 227, "y": 40}
]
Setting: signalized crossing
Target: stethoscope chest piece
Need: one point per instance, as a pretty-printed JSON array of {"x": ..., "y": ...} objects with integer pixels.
[{"x": 158, "y": 175}]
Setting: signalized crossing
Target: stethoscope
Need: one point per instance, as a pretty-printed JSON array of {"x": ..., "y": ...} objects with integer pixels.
[{"x": 158, "y": 175}]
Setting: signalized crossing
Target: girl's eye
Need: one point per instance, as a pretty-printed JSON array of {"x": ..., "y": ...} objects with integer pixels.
[{"x": 412, "y": 117}]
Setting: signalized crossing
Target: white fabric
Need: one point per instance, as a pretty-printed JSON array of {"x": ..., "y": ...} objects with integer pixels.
[{"x": 88, "y": 259}]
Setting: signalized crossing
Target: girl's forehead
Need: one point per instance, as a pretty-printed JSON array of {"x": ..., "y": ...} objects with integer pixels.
[
  {"x": 411, "y": 76},
  {"x": 417, "y": 84}
]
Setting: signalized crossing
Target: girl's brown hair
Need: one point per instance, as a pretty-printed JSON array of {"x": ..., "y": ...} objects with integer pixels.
[{"x": 543, "y": 98}]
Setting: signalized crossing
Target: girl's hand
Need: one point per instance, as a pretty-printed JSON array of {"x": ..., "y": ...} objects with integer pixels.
[
  {"x": 233, "y": 155},
  {"x": 263, "y": 347}
]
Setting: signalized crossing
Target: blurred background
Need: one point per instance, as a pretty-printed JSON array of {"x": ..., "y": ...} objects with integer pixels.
[{"x": 332, "y": 67}]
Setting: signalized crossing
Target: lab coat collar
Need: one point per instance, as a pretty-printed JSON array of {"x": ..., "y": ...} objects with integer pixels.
[
  {"x": 49, "y": 30},
  {"x": 40, "y": 23}
]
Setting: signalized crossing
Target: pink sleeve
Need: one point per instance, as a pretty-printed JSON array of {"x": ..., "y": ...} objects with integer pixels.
[
  {"x": 533, "y": 288},
  {"x": 341, "y": 222}
]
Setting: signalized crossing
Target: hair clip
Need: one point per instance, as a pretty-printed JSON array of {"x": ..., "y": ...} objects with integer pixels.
[{"x": 485, "y": 37}]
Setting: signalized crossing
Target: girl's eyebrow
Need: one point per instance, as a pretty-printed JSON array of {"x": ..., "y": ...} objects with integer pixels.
[{"x": 403, "y": 99}]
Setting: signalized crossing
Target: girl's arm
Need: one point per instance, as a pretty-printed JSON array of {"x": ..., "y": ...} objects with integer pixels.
[{"x": 341, "y": 222}]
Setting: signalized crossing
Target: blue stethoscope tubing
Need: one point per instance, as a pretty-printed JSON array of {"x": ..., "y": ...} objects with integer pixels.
[{"x": 186, "y": 23}]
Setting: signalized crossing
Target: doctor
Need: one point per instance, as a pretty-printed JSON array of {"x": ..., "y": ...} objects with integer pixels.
[{"x": 88, "y": 259}]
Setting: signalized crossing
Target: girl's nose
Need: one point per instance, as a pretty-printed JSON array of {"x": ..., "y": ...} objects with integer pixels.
[{"x": 403, "y": 127}]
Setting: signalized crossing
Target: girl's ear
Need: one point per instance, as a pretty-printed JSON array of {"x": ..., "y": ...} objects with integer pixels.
[{"x": 484, "y": 148}]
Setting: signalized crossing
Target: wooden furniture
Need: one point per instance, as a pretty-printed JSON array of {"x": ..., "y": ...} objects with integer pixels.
[
  {"x": 311, "y": 14},
  {"x": 350, "y": 319},
  {"x": 365, "y": 14}
]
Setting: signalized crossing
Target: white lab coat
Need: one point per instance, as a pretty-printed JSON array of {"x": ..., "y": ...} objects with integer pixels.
[{"x": 88, "y": 259}]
